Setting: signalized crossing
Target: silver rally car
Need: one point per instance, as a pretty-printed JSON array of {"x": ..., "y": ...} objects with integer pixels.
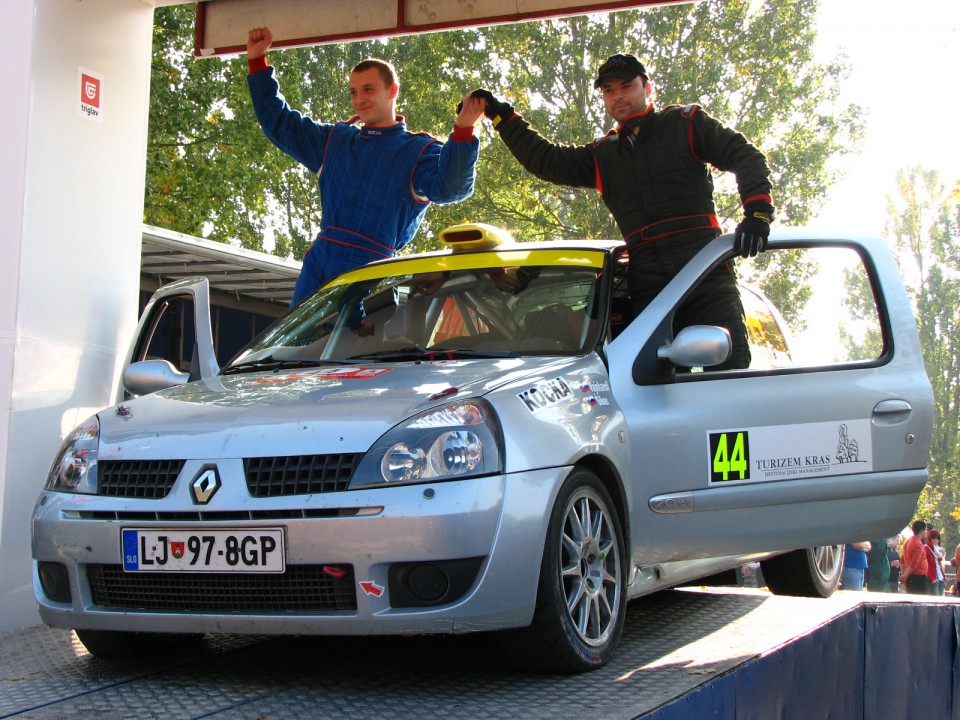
[{"x": 481, "y": 439}]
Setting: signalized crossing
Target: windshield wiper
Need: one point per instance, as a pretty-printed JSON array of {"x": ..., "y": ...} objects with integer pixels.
[
  {"x": 463, "y": 353},
  {"x": 272, "y": 363},
  {"x": 419, "y": 354}
]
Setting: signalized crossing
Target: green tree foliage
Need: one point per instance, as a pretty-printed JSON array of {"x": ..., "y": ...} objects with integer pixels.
[
  {"x": 923, "y": 228},
  {"x": 211, "y": 172},
  {"x": 861, "y": 342},
  {"x": 206, "y": 172},
  {"x": 749, "y": 64}
]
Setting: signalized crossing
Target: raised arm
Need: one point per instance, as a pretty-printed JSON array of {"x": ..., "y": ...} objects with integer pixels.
[
  {"x": 729, "y": 150},
  {"x": 298, "y": 136},
  {"x": 559, "y": 164},
  {"x": 259, "y": 41},
  {"x": 445, "y": 173}
]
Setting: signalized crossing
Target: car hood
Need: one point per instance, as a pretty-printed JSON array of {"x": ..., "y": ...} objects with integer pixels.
[{"x": 330, "y": 409}]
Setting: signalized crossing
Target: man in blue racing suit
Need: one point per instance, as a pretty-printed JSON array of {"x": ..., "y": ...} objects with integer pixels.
[{"x": 376, "y": 178}]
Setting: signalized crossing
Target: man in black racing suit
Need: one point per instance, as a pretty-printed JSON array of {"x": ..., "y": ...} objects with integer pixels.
[{"x": 653, "y": 174}]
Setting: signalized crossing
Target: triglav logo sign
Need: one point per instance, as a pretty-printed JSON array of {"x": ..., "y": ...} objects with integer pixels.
[{"x": 91, "y": 95}]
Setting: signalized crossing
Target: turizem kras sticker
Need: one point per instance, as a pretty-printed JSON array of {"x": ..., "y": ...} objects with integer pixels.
[{"x": 784, "y": 452}]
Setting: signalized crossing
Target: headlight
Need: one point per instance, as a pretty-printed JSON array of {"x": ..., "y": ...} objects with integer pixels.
[
  {"x": 74, "y": 468},
  {"x": 456, "y": 441}
]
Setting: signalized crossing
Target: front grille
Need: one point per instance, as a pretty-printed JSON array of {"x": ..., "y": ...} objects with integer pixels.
[
  {"x": 227, "y": 515},
  {"x": 266, "y": 476},
  {"x": 150, "y": 479},
  {"x": 299, "y": 474},
  {"x": 302, "y": 588}
]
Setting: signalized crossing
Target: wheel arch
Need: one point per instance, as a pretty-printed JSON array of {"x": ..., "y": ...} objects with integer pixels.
[{"x": 613, "y": 483}]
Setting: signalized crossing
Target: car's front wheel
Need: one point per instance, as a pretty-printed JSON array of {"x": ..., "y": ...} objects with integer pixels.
[
  {"x": 581, "y": 597},
  {"x": 116, "y": 643},
  {"x": 812, "y": 572}
]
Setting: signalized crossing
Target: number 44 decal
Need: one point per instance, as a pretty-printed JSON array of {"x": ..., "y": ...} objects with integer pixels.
[{"x": 729, "y": 456}]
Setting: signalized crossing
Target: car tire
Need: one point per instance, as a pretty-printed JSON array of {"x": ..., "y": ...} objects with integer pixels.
[
  {"x": 581, "y": 595},
  {"x": 116, "y": 643},
  {"x": 812, "y": 572}
]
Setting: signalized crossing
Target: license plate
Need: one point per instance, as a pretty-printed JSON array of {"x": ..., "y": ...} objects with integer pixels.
[{"x": 181, "y": 550}]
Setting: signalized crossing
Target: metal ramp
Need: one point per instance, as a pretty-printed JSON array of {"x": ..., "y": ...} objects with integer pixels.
[{"x": 690, "y": 653}]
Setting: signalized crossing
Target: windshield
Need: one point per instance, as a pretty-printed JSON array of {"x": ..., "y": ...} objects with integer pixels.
[{"x": 469, "y": 312}]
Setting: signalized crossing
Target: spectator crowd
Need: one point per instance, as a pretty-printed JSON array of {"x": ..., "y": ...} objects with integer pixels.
[{"x": 916, "y": 565}]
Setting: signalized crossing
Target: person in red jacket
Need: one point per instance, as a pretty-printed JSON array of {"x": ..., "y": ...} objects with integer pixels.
[{"x": 913, "y": 563}]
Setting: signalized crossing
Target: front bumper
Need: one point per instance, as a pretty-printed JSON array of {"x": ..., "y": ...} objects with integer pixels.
[{"x": 490, "y": 528}]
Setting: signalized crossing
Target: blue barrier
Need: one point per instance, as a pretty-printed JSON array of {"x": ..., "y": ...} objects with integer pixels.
[{"x": 895, "y": 660}]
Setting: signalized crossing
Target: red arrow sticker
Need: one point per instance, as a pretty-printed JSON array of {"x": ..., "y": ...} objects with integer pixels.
[{"x": 371, "y": 588}]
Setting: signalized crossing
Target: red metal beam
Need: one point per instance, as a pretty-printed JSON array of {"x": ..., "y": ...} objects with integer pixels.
[{"x": 211, "y": 12}]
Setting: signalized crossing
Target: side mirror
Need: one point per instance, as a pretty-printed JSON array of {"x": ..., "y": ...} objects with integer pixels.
[
  {"x": 148, "y": 376},
  {"x": 698, "y": 346}
]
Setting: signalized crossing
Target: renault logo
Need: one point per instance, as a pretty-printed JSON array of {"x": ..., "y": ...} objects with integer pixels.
[{"x": 205, "y": 485}]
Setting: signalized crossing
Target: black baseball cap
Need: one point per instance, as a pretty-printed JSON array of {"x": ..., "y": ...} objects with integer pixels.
[{"x": 625, "y": 67}]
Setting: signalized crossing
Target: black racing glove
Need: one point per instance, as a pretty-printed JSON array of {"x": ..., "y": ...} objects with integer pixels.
[
  {"x": 750, "y": 237},
  {"x": 497, "y": 110}
]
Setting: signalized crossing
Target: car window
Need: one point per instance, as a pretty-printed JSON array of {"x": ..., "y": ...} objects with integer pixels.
[
  {"x": 834, "y": 316},
  {"x": 170, "y": 333},
  {"x": 458, "y": 323},
  {"x": 804, "y": 308},
  {"x": 766, "y": 331},
  {"x": 529, "y": 309},
  {"x": 810, "y": 307}
]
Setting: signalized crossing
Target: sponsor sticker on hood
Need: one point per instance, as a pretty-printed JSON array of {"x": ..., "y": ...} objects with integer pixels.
[{"x": 336, "y": 373}]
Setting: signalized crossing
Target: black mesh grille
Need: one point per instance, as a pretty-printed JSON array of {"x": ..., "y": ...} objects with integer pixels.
[
  {"x": 302, "y": 588},
  {"x": 300, "y": 474},
  {"x": 137, "y": 478}
]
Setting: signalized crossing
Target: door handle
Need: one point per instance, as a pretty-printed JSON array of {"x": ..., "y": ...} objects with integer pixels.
[{"x": 892, "y": 411}]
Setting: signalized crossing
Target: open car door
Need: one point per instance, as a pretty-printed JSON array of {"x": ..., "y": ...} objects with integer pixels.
[
  {"x": 173, "y": 344},
  {"x": 740, "y": 460}
]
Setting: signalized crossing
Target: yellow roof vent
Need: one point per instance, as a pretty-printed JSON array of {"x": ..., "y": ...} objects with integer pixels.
[{"x": 474, "y": 236}]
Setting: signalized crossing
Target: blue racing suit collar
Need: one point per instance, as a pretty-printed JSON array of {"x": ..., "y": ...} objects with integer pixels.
[{"x": 368, "y": 132}]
